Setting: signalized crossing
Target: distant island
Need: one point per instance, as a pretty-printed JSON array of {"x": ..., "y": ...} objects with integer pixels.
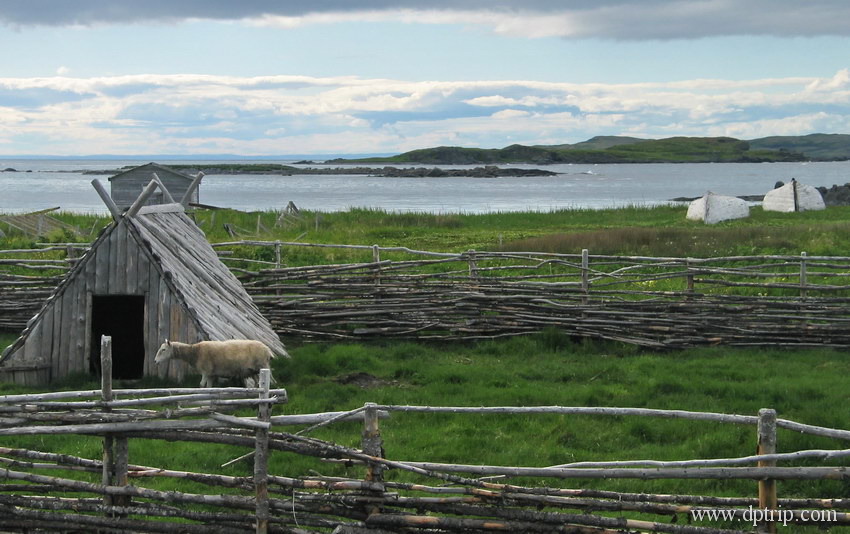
[
  {"x": 620, "y": 149},
  {"x": 487, "y": 171}
]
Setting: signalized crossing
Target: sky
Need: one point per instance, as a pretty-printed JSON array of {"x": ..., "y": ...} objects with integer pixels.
[{"x": 338, "y": 77}]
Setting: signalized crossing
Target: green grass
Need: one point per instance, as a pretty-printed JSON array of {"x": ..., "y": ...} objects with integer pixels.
[{"x": 661, "y": 231}]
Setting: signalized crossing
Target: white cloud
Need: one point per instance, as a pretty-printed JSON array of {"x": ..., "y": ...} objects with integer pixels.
[
  {"x": 275, "y": 114},
  {"x": 510, "y": 114}
]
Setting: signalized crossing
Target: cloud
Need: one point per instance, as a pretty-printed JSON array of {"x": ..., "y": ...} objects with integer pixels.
[
  {"x": 614, "y": 19},
  {"x": 272, "y": 115}
]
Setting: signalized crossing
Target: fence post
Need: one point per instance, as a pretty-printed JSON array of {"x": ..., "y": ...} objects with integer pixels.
[
  {"x": 767, "y": 445},
  {"x": 106, "y": 396},
  {"x": 585, "y": 274},
  {"x": 473, "y": 266},
  {"x": 803, "y": 275},
  {"x": 261, "y": 456},
  {"x": 371, "y": 442},
  {"x": 277, "y": 254},
  {"x": 372, "y": 445},
  {"x": 115, "y": 449},
  {"x": 376, "y": 259},
  {"x": 689, "y": 277}
]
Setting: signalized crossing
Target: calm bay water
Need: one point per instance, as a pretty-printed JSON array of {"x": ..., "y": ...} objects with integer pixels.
[{"x": 52, "y": 183}]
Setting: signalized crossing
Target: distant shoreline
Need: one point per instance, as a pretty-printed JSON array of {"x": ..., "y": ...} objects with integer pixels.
[{"x": 487, "y": 171}]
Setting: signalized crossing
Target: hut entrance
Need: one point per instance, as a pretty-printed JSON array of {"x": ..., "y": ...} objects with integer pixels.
[{"x": 123, "y": 318}]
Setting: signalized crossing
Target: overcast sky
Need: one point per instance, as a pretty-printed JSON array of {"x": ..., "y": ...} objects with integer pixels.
[{"x": 272, "y": 77}]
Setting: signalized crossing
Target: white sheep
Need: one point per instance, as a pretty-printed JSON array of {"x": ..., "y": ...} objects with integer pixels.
[{"x": 238, "y": 358}]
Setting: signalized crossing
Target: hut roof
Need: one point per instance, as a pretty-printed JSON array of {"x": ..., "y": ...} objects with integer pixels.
[{"x": 212, "y": 294}]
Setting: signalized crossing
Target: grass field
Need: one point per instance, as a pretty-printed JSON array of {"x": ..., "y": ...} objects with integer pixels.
[{"x": 547, "y": 369}]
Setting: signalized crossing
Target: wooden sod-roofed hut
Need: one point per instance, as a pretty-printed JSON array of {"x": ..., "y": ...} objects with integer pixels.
[
  {"x": 126, "y": 187},
  {"x": 150, "y": 275}
]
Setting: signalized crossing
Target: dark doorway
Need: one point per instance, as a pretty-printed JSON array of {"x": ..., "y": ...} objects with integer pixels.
[{"x": 123, "y": 318}]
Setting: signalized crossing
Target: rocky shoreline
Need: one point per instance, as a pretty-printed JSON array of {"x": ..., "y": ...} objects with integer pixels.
[
  {"x": 487, "y": 171},
  {"x": 837, "y": 195}
]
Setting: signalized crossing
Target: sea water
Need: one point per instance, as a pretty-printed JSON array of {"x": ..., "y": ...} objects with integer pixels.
[{"x": 47, "y": 183}]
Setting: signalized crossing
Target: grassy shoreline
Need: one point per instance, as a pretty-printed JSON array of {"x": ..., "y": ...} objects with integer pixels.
[{"x": 659, "y": 230}]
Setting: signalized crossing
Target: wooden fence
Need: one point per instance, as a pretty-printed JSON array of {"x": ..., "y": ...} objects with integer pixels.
[
  {"x": 785, "y": 300},
  {"x": 111, "y": 494}
]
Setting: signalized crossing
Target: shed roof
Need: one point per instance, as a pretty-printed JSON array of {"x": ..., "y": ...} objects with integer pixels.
[
  {"x": 212, "y": 294},
  {"x": 144, "y": 170}
]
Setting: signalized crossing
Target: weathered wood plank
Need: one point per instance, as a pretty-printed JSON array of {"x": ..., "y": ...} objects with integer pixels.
[
  {"x": 76, "y": 312},
  {"x": 101, "y": 267}
]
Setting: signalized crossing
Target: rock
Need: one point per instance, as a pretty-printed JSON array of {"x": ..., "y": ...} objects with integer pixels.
[
  {"x": 9, "y": 169},
  {"x": 837, "y": 195}
]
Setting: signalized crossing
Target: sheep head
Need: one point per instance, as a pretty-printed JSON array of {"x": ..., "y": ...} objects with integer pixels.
[{"x": 164, "y": 353}]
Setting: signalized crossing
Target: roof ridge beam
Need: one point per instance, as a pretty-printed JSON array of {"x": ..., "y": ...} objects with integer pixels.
[
  {"x": 137, "y": 205},
  {"x": 194, "y": 185},
  {"x": 104, "y": 196}
]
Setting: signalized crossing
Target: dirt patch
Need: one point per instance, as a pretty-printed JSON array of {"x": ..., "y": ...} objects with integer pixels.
[{"x": 364, "y": 380}]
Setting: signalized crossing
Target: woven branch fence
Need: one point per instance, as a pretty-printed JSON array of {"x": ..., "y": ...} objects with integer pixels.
[
  {"x": 49, "y": 491},
  {"x": 397, "y": 292}
]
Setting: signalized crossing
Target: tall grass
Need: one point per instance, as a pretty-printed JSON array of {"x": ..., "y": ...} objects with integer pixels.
[{"x": 661, "y": 231}]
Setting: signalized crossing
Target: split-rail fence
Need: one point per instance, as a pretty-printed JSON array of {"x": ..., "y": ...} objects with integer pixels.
[
  {"x": 664, "y": 302},
  {"x": 50, "y": 491}
]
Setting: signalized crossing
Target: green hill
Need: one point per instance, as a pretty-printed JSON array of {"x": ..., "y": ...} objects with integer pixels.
[
  {"x": 822, "y": 147},
  {"x": 617, "y": 149},
  {"x": 600, "y": 142}
]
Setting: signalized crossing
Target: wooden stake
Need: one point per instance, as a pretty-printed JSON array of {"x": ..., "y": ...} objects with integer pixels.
[
  {"x": 585, "y": 274},
  {"x": 106, "y": 395},
  {"x": 376, "y": 258},
  {"x": 473, "y": 266},
  {"x": 767, "y": 445},
  {"x": 372, "y": 445},
  {"x": 371, "y": 442},
  {"x": 261, "y": 456},
  {"x": 689, "y": 277}
]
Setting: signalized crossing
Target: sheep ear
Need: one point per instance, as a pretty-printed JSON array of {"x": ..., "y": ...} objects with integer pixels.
[{"x": 167, "y": 342}]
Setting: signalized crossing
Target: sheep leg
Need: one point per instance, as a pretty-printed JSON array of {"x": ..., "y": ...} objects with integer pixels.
[{"x": 206, "y": 381}]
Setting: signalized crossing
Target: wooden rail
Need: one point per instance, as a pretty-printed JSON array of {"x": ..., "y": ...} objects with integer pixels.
[{"x": 392, "y": 494}]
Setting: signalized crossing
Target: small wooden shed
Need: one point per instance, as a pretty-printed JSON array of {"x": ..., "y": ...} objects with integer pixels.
[
  {"x": 150, "y": 275},
  {"x": 126, "y": 187}
]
